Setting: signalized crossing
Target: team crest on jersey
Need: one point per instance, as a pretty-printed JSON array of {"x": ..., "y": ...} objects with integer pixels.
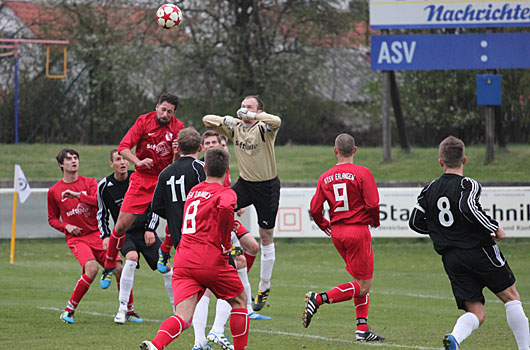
[
  {"x": 163, "y": 149},
  {"x": 169, "y": 136}
]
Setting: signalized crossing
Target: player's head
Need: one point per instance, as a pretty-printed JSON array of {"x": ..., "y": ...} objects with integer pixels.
[
  {"x": 68, "y": 160},
  {"x": 189, "y": 141},
  {"x": 216, "y": 161},
  {"x": 253, "y": 103},
  {"x": 166, "y": 108},
  {"x": 210, "y": 139},
  {"x": 223, "y": 142},
  {"x": 345, "y": 145},
  {"x": 119, "y": 164},
  {"x": 452, "y": 152}
]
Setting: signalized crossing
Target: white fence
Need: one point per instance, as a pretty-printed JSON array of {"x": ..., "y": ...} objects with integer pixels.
[{"x": 509, "y": 205}]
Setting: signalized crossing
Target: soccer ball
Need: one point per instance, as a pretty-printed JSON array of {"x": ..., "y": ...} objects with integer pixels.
[{"x": 168, "y": 16}]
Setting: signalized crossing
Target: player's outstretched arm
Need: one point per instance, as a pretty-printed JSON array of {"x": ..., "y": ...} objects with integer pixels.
[{"x": 470, "y": 206}]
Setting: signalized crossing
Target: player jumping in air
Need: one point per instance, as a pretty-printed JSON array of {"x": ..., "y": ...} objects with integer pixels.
[
  {"x": 353, "y": 199},
  {"x": 449, "y": 211},
  {"x": 153, "y": 135}
]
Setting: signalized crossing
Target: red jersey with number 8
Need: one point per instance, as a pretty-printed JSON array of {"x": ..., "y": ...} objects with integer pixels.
[{"x": 203, "y": 240}]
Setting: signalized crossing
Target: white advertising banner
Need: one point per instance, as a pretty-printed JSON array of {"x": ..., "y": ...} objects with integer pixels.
[
  {"x": 387, "y": 14},
  {"x": 508, "y": 205}
]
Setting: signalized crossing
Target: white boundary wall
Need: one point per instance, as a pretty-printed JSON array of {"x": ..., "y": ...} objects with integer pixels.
[{"x": 509, "y": 205}]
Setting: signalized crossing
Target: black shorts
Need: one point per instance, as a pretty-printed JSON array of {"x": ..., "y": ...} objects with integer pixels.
[
  {"x": 135, "y": 242},
  {"x": 470, "y": 270},
  {"x": 264, "y": 195}
]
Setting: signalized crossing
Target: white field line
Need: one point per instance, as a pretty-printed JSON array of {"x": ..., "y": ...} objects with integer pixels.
[{"x": 298, "y": 335}]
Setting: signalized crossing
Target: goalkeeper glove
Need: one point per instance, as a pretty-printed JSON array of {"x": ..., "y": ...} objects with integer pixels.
[
  {"x": 230, "y": 122},
  {"x": 245, "y": 114}
]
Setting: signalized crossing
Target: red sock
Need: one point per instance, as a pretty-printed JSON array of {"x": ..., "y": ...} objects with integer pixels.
[
  {"x": 130, "y": 304},
  {"x": 81, "y": 287},
  {"x": 168, "y": 242},
  {"x": 343, "y": 292},
  {"x": 169, "y": 330},
  {"x": 361, "y": 310},
  {"x": 250, "y": 260},
  {"x": 239, "y": 326},
  {"x": 115, "y": 243}
]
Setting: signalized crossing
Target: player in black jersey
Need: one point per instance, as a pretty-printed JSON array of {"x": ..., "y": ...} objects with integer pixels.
[
  {"x": 449, "y": 211},
  {"x": 141, "y": 236},
  {"x": 174, "y": 183}
]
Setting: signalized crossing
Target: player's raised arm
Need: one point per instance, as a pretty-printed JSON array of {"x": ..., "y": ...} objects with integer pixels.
[{"x": 103, "y": 212}]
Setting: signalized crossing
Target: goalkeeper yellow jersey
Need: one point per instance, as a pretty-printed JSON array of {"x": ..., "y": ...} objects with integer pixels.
[{"x": 254, "y": 145}]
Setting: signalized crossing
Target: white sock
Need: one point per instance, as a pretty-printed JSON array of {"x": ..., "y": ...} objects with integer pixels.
[
  {"x": 169, "y": 289},
  {"x": 267, "y": 264},
  {"x": 126, "y": 282},
  {"x": 518, "y": 323},
  {"x": 243, "y": 275},
  {"x": 222, "y": 313},
  {"x": 200, "y": 316},
  {"x": 465, "y": 324}
]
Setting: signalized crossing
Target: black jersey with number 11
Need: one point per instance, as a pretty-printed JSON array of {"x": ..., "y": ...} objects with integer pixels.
[
  {"x": 449, "y": 210},
  {"x": 174, "y": 183}
]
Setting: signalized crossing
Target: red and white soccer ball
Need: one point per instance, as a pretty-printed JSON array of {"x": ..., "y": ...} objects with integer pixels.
[{"x": 168, "y": 16}]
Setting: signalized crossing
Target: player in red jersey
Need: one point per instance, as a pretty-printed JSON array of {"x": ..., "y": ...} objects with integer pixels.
[
  {"x": 72, "y": 208},
  {"x": 353, "y": 199},
  {"x": 153, "y": 135},
  {"x": 201, "y": 258}
]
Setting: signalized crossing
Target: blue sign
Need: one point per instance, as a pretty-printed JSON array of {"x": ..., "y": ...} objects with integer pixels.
[
  {"x": 489, "y": 89},
  {"x": 450, "y": 51}
]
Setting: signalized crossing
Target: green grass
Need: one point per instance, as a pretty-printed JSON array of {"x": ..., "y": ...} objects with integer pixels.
[
  {"x": 294, "y": 163},
  {"x": 411, "y": 301}
]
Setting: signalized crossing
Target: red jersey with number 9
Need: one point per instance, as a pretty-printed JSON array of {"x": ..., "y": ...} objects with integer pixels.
[
  {"x": 352, "y": 196},
  {"x": 202, "y": 243}
]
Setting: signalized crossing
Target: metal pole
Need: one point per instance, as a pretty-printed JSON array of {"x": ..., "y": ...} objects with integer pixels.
[
  {"x": 16, "y": 92},
  {"x": 387, "y": 141},
  {"x": 490, "y": 134}
]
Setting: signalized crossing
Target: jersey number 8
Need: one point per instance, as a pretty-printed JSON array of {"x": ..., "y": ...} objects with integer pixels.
[{"x": 445, "y": 216}]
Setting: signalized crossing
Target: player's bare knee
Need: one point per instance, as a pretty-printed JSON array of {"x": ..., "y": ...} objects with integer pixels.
[
  {"x": 132, "y": 256},
  {"x": 91, "y": 269},
  {"x": 250, "y": 246},
  {"x": 241, "y": 262},
  {"x": 239, "y": 301},
  {"x": 509, "y": 294}
]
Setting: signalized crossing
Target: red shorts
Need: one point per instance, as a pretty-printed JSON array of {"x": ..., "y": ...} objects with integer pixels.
[
  {"x": 88, "y": 247},
  {"x": 354, "y": 243},
  {"x": 241, "y": 231},
  {"x": 224, "y": 283},
  {"x": 139, "y": 194}
]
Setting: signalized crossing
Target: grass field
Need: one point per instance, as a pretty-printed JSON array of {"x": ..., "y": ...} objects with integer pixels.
[
  {"x": 295, "y": 163},
  {"x": 411, "y": 301}
]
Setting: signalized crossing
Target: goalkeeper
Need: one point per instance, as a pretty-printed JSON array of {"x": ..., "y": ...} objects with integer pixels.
[{"x": 253, "y": 135}]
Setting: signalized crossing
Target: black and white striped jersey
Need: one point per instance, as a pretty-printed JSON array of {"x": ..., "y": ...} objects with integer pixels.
[
  {"x": 174, "y": 184},
  {"x": 110, "y": 196},
  {"x": 449, "y": 211}
]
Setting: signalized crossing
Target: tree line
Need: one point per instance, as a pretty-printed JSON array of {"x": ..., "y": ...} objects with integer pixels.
[{"x": 120, "y": 61}]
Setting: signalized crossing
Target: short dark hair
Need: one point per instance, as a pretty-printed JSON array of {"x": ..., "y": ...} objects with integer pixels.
[
  {"x": 169, "y": 98},
  {"x": 111, "y": 154},
  {"x": 345, "y": 144},
  {"x": 62, "y": 154},
  {"x": 223, "y": 138},
  {"x": 209, "y": 133},
  {"x": 189, "y": 140},
  {"x": 216, "y": 161},
  {"x": 452, "y": 152},
  {"x": 261, "y": 105}
]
